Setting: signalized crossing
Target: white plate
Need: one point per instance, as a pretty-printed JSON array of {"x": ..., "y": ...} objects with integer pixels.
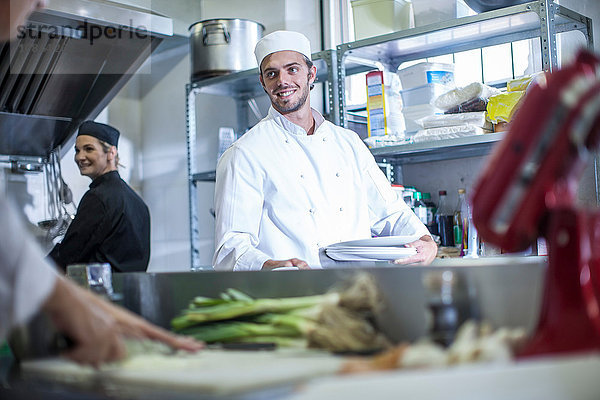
[
  {"x": 401, "y": 252},
  {"x": 378, "y": 241},
  {"x": 347, "y": 257},
  {"x": 350, "y": 249}
]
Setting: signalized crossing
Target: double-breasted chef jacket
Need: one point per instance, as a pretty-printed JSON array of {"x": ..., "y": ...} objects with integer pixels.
[{"x": 282, "y": 194}]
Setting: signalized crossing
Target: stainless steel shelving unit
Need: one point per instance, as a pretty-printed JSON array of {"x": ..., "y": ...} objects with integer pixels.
[
  {"x": 242, "y": 87},
  {"x": 537, "y": 19},
  {"x": 470, "y": 146},
  {"x": 24, "y": 164}
]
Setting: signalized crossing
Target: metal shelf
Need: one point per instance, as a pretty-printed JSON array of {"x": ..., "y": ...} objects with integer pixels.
[
  {"x": 486, "y": 29},
  {"x": 240, "y": 85},
  {"x": 205, "y": 176},
  {"x": 245, "y": 84},
  {"x": 24, "y": 164},
  {"x": 447, "y": 149},
  {"x": 543, "y": 19}
]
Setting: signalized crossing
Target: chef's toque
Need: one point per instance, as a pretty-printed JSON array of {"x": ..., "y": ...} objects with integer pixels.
[{"x": 280, "y": 41}]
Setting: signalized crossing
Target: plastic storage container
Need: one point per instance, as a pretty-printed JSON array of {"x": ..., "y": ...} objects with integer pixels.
[
  {"x": 426, "y": 72},
  {"x": 413, "y": 114},
  {"x": 433, "y": 11},
  {"x": 378, "y": 17},
  {"x": 425, "y": 94}
]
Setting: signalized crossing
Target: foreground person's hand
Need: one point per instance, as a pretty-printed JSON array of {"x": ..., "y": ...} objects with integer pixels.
[
  {"x": 95, "y": 334},
  {"x": 426, "y": 252},
  {"x": 134, "y": 326},
  {"x": 97, "y": 327}
]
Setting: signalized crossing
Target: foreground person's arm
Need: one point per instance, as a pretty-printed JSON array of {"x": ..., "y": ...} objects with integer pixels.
[{"x": 28, "y": 283}]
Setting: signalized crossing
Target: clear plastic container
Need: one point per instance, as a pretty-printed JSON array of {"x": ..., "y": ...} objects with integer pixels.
[
  {"x": 413, "y": 115},
  {"x": 426, "y": 72},
  {"x": 425, "y": 94}
]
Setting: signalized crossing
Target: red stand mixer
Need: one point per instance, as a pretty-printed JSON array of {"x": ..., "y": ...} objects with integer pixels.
[{"x": 528, "y": 189}]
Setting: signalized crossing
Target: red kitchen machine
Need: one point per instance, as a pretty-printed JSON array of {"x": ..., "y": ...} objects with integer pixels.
[{"x": 528, "y": 189}]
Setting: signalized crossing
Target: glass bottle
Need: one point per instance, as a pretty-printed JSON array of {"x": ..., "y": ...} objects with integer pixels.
[
  {"x": 431, "y": 209},
  {"x": 460, "y": 213},
  {"x": 472, "y": 236},
  {"x": 444, "y": 220}
]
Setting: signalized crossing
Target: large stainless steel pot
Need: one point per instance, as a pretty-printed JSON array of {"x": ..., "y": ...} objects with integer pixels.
[{"x": 221, "y": 46}]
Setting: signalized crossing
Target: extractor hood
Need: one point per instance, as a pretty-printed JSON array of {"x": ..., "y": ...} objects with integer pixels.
[{"x": 66, "y": 65}]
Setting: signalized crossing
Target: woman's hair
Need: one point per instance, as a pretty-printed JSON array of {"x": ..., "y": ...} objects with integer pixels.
[{"x": 106, "y": 148}]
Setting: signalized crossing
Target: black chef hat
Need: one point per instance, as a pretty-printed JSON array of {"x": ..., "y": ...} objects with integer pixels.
[{"x": 103, "y": 132}]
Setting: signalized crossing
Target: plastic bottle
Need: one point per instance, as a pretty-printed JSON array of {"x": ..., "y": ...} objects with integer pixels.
[
  {"x": 409, "y": 196},
  {"x": 460, "y": 227},
  {"x": 431, "y": 209},
  {"x": 399, "y": 190},
  {"x": 444, "y": 220},
  {"x": 420, "y": 208}
]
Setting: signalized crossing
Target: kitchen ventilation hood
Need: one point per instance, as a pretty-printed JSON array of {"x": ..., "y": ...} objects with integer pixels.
[{"x": 66, "y": 65}]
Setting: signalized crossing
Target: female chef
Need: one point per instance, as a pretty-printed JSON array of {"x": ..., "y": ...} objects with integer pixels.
[{"x": 112, "y": 224}]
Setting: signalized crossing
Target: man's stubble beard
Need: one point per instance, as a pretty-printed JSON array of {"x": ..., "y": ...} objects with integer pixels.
[{"x": 285, "y": 109}]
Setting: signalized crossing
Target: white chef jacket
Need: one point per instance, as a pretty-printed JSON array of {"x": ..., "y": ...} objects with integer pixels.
[
  {"x": 282, "y": 194},
  {"x": 26, "y": 278}
]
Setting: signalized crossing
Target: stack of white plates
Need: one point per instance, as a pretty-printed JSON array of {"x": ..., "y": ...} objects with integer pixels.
[{"x": 387, "y": 248}]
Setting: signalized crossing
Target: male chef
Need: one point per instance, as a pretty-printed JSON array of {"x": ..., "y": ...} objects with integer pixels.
[{"x": 295, "y": 182}]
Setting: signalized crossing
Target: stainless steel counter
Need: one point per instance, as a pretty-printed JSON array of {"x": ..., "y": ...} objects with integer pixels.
[{"x": 503, "y": 290}]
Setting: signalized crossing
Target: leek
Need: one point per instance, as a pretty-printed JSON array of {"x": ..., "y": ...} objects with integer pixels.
[
  {"x": 234, "y": 330},
  {"x": 335, "y": 321}
]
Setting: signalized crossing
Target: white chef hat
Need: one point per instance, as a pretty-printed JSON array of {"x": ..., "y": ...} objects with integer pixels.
[{"x": 280, "y": 41}]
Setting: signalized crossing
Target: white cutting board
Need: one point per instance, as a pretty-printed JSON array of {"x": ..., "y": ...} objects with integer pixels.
[{"x": 208, "y": 371}]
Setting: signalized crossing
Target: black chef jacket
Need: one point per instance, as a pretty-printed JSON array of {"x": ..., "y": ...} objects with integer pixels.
[{"x": 112, "y": 225}]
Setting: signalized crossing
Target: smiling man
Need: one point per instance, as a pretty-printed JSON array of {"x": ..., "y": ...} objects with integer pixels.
[
  {"x": 295, "y": 183},
  {"x": 112, "y": 223}
]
